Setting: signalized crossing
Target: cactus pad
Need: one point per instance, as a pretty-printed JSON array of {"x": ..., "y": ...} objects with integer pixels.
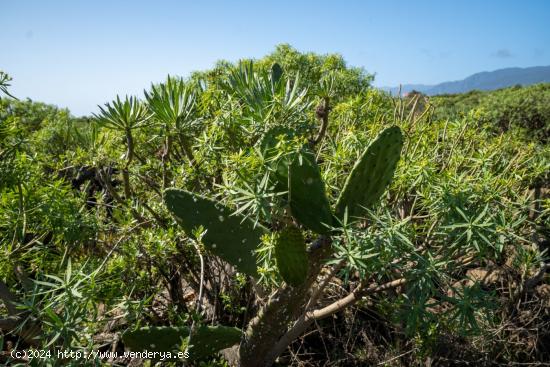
[
  {"x": 206, "y": 340},
  {"x": 298, "y": 173},
  {"x": 307, "y": 197},
  {"x": 291, "y": 255},
  {"x": 156, "y": 338},
  {"x": 278, "y": 164},
  {"x": 371, "y": 174},
  {"x": 234, "y": 238}
]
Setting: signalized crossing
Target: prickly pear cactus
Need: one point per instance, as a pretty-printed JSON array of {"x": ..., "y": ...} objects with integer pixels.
[
  {"x": 156, "y": 338},
  {"x": 205, "y": 341},
  {"x": 299, "y": 174},
  {"x": 291, "y": 255},
  {"x": 307, "y": 197},
  {"x": 271, "y": 155},
  {"x": 234, "y": 238},
  {"x": 371, "y": 174}
]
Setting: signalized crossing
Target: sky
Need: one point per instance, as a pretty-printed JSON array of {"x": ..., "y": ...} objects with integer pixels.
[{"x": 79, "y": 54}]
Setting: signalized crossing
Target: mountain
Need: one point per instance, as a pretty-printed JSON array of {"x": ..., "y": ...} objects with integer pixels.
[{"x": 487, "y": 80}]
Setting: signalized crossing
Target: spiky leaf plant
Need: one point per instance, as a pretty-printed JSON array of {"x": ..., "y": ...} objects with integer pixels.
[{"x": 124, "y": 115}]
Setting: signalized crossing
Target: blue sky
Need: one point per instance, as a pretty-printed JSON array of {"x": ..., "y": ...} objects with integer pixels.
[{"x": 79, "y": 54}]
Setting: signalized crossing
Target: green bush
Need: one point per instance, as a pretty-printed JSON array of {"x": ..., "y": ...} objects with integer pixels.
[{"x": 90, "y": 249}]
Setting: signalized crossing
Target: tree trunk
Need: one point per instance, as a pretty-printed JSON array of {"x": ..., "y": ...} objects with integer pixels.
[
  {"x": 129, "y": 158},
  {"x": 283, "y": 308},
  {"x": 165, "y": 158}
]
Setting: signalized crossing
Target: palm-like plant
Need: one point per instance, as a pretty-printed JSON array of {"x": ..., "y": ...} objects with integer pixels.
[
  {"x": 125, "y": 116},
  {"x": 267, "y": 96},
  {"x": 4, "y": 83},
  {"x": 89, "y": 138},
  {"x": 174, "y": 105}
]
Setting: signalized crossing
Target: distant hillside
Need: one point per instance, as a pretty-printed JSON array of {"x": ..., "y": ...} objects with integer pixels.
[{"x": 487, "y": 80}]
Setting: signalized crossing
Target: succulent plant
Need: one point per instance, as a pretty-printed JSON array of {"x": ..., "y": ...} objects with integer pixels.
[
  {"x": 232, "y": 237},
  {"x": 277, "y": 160},
  {"x": 298, "y": 173},
  {"x": 371, "y": 174},
  {"x": 291, "y": 255},
  {"x": 206, "y": 340},
  {"x": 156, "y": 338},
  {"x": 235, "y": 238},
  {"x": 306, "y": 194}
]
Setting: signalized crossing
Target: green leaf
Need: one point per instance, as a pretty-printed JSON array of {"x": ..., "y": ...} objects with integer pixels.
[{"x": 291, "y": 255}]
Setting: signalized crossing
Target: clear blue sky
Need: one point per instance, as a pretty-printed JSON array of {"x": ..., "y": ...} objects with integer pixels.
[{"x": 78, "y": 54}]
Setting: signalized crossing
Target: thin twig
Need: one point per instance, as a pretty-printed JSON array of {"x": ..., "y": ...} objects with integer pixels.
[{"x": 307, "y": 318}]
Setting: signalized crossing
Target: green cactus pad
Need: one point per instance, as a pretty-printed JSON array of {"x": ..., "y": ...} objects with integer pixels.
[
  {"x": 156, "y": 338},
  {"x": 371, "y": 174},
  {"x": 299, "y": 174},
  {"x": 234, "y": 238},
  {"x": 206, "y": 340},
  {"x": 291, "y": 255},
  {"x": 279, "y": 165},
  {"x": 307, "y": 197}
]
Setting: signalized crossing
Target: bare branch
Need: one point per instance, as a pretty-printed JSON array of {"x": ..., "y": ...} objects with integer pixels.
[
  {"x": 309, "y": 317},
  {"x": 322, "y": 113},
  {"x": 320, "y": 288}
]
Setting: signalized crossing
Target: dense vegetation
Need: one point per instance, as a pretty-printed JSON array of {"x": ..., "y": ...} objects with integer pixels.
[
  {"x": 526, "y": 108},
  {"x": 446, "y": 267}
]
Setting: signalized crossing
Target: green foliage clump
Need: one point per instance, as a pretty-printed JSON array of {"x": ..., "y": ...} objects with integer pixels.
[
  {"x": 267, "y": 195},
  {"x": 502, "y": 110}
]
